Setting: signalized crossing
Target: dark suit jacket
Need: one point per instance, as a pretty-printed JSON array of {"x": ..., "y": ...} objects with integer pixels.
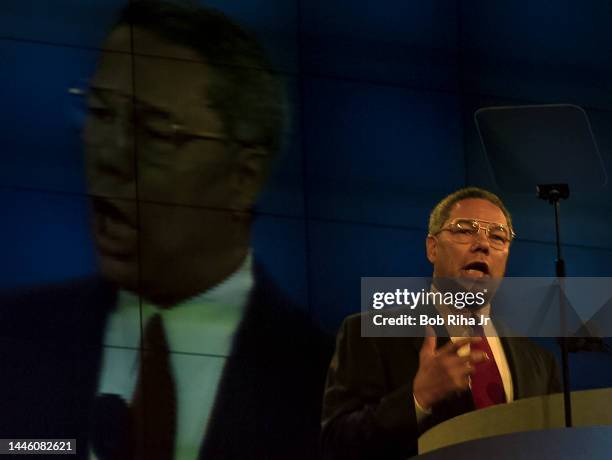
[
  {"x": 267, "y": 406},
  {"x": 368, "y": 408}
]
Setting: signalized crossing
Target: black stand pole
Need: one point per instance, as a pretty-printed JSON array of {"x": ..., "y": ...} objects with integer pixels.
[{"x": 553, "y": 193}]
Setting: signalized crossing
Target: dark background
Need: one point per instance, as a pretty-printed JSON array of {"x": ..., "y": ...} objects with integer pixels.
[{"x": 383, "y": 96}]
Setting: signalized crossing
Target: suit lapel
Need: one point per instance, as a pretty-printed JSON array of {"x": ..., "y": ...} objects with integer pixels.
[
  {"x": 512, "y": 350},
  {"x": 510, "y": 346}
]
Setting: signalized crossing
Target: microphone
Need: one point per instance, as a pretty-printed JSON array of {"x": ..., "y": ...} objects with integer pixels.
[{"x": 111, "y": 427}]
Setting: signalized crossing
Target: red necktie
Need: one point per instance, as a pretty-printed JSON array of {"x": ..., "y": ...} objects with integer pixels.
[
  {"x": 154, "y": 403},
  {"x": 487, "y": 386}
]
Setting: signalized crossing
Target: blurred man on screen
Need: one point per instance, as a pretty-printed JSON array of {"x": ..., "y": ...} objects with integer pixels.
[{"x": 184, "y": 117}]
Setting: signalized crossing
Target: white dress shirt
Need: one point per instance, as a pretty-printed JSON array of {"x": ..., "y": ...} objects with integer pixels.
[{"x": 199, "y": 332}]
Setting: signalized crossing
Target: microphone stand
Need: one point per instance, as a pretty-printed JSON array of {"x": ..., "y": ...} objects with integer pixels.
[{"x": 553, "y": 193}]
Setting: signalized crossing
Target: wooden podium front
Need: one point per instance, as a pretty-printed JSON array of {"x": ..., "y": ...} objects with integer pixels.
[{"x": 589, "y": 408}]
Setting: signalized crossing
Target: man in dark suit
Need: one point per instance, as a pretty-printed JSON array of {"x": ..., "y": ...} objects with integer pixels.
[
  {"x": 184, "y": 346},
  {"x": 381, "y": 393},
  {"x": 51, "y": 360}
]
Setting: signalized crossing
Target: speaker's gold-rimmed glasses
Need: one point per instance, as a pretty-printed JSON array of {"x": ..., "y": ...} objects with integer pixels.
[{"x": 466, "y": 230}]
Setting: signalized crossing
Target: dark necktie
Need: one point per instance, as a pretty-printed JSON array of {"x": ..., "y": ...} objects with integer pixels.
[
  {"x": 487, "y": 386},
  {"x": 153, "y": 407}
]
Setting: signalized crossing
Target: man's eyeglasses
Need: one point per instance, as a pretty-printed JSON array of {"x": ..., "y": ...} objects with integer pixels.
[
  {"x": 153, "y": 123},
  {"x": 464, "y": 231}
]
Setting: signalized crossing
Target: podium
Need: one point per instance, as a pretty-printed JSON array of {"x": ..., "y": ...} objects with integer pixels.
[{"x": 527, "y": 428}]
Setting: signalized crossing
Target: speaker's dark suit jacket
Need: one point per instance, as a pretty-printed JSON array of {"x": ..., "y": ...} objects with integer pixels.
[
  {"x": 267, "y": 405},
  {"x": 368, "y": 407}
]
